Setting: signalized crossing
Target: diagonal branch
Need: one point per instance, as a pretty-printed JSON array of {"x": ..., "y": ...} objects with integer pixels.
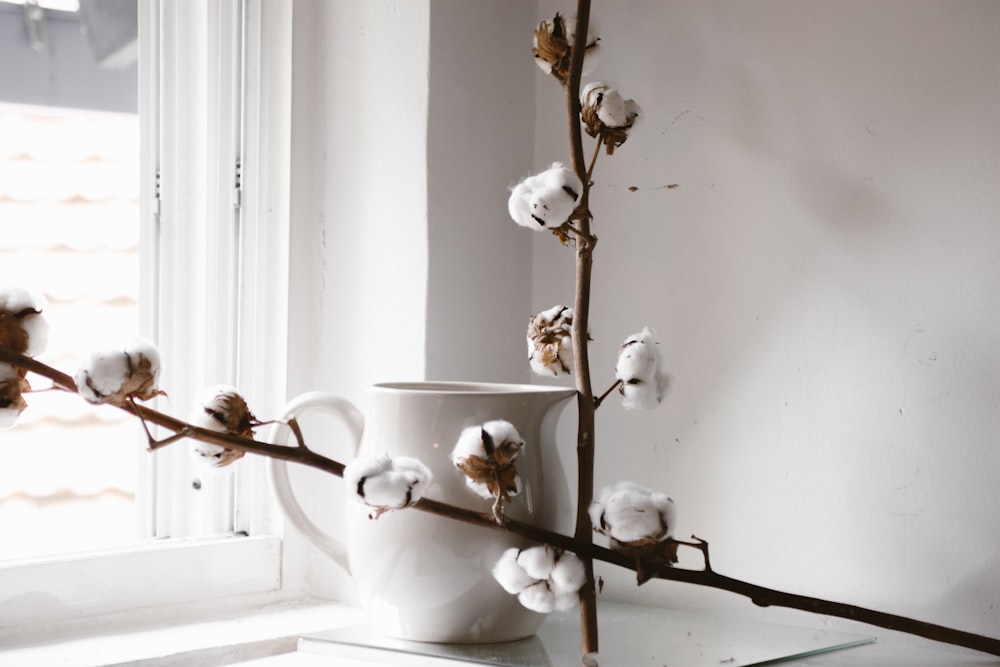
[{"x": 583, "y": 547}]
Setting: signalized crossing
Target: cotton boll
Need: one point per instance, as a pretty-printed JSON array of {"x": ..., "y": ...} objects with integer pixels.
[
  {"x": 144, "y": 369},
  {"x": 23, "y": 328},
  {"x": 401, "y": 484},
  {"x": 554, "y": 201},
  {"x": 509, "y": 573},
  {"x": 9, "y": 415},
  {"x": 537, "y": 562},
  {"x": 390, "y": 489},
  {"x": 553, "y": 47},
  {"x": 386, "y": 483},
  {"x": 518, "y": 206},
  {"x": 640, "y": 369},
  {"x": 221, "y": 409},
  {"x": 630, "y": 513},
  {"x": 12, "y": 403},
  {"x": 646, "y": 395},
  {"x": 538, "y": 597},
  {"x": 101, "y": 375},
  {"x": 486, "y": 455},
  {"x": 637, "y": 358},
  {"x": 37, "y": 329},
  {"x": 568, "y": 574},
  {"x": 612, "y": 110},
  {"x": 606, "y": 114},
  {"x": 550, "y": 341},
  {"x": 633, "y": 112},
  {"x": 362, "y": 468},
  {"x": 115, "y": 376},
  {"x": 16, "y": 299},
  {"x": 545, "y": 200},
  {"x": 608, "y": 106}
]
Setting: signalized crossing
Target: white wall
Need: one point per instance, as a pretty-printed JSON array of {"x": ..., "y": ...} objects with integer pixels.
[
  {"x": 823, "y": 278},
  {"x": 824, "y": 282},
  {"x": 409, "y": 124}
]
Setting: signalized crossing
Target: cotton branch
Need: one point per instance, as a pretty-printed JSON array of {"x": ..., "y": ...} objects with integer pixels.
[
  {"x": 581, "y": 359},
  {"x": 584, "y": 548},
  {"x": 295, "y": 454}
]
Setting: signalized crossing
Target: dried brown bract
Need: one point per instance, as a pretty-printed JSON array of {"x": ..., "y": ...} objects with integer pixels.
[
  {"x": 224, "y": 410},
  {"x": 553, "y": 49},
  {"x": 607, "y": 115},
  {"x": 487, "y": 456},
  {"x": 12, "y": 386},
  {"x": 23, "y": 329},
  {"x": 550, "y": 341}
]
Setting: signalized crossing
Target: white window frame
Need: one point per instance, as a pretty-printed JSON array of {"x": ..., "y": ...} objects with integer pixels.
[{"x": 214, "y": 252}]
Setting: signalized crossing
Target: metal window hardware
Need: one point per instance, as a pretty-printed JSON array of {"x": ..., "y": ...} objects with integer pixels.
[{"x": 34, "y": 22}]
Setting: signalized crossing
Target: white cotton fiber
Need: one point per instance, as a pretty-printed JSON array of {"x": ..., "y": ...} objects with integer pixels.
[
  {"x": 537, "y": 561},
  {"x": 102, "y": 374},
  {"x": 550, "y": 341},
  {"x": 568, "y": 574},
  {"x": 545, "y": 200},
  {"x": 388, "y": 483},
  {"x": 114, "y": 375},
  {"x": 23, "y": 309},
  {"x": 628, "y": 512},
  {"x": 509, "y": 574},
  {"x": 640, "y": 369},
  {"x": 538, "y": 597},
  {"x": 11, "y": 402},
  {"x": 505, "y": 439},
  {"x": 208, "y": 403}
]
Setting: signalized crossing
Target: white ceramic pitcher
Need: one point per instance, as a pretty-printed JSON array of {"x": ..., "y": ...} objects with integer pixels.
[{"x": 423, "y": 577}]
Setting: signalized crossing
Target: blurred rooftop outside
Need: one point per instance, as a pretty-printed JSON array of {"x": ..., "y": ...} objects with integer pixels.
[{"x": 69, "y": 231}]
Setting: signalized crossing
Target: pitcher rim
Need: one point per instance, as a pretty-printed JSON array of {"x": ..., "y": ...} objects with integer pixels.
[{"x": 468, "y": 387}]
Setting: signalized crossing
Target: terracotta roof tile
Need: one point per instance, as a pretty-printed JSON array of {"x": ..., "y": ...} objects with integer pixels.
[{"x": 69, "y": 230}]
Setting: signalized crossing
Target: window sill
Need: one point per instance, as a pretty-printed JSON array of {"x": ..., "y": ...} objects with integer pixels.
[
  {"x": 209, "y": 634},
  {"x": 83, "y": 594}
]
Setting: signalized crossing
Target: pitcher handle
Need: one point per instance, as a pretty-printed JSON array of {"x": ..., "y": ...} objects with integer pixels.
[{"x": 351, "y": 417}]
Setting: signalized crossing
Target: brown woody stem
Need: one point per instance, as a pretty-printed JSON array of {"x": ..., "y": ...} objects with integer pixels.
[
  {"x": 593, "y": 161},
  {"x": 581, "y": 317},
  {"x": 585, "y": 548}
]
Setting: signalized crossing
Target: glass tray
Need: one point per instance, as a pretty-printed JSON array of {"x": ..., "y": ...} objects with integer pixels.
[{"x": 629, "y": 635}]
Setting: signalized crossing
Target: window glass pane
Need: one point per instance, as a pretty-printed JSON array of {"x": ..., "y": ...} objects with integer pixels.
[{"x": 69, "y": 232}]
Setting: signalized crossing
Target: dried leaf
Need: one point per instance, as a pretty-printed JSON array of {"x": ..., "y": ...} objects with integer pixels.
[
  {"x": 13, "y": 336},
  {"x": 552, "y": 47},
  {"x": 11, "y": 393}
]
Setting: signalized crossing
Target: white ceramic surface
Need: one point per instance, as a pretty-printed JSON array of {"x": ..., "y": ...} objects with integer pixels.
[{"x": 426, "y": 578}]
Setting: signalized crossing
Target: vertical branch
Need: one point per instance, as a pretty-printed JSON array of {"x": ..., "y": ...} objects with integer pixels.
[{"x": 581, "y": 316}]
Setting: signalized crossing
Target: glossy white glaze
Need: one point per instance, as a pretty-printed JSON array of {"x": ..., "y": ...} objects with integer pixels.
[{"x": 427, "y": 578}]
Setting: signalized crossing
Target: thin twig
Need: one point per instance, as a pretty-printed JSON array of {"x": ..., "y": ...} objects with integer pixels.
[
  {"x": 153, "y": 443},
  {"x": 300, "y": 439},
  {"x": 593, "y": 161},
  {"x": 584, "y": 548},
  {"x": 600, "y": 399},
  {"x": 699, "y": 544}
]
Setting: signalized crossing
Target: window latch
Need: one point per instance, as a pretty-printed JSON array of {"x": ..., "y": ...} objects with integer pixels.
[{"x": 34, "y": 22}]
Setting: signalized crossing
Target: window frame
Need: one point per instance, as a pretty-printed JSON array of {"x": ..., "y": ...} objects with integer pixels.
[{"x": 206, "y": 69}]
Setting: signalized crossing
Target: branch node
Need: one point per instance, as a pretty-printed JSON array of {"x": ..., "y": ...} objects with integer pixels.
[{"x": 600, "y": 399}]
